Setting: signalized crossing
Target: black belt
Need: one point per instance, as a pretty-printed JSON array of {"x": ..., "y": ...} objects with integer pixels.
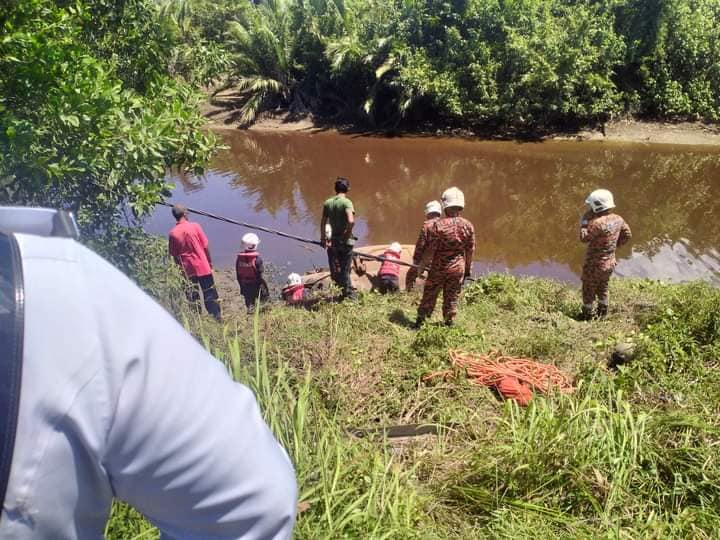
[{"x": 12, "y": 303}]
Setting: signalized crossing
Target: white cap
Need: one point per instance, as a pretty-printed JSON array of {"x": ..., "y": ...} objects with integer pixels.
[
  {"x": 453, "y": 197},
  {"x": 433, "y": 207},
  {"x": 395, "y": 247},
  {"x": 293, "y": 279},
  {"x": 250, "y": 240},
  {"x": 600, "y": 200}
]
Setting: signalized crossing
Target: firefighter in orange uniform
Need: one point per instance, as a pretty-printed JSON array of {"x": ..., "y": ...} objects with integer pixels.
[
  {"x": 449, "y": 254},
  {"x": 433, "y": 211}
]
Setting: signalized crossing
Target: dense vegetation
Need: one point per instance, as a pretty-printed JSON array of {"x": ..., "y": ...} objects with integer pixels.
[
  {"x": 524, "y": 64},
  {"x": 90, "y": 114},
  {"x": 97, "y": 101},
  {"x": 633, "y": 453}
]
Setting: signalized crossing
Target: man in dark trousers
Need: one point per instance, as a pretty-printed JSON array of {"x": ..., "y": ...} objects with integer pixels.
[
  {"x": 339, "y": 213},
  {"x": 189, "y": 247}
]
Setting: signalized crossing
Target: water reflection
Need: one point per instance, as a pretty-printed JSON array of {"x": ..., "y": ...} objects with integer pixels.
[{"x": 525, "y": 199}]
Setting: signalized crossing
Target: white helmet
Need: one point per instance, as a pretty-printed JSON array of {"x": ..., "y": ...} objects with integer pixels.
[
  {"x": 600, "y": 200},
  {"x": 395, "y": 247},
  {"x": 433, "y": 207},
  {"x": 453, "y": 197},
  {"x": 293, "y": 279},
  {"x": 250, "y": 240}
]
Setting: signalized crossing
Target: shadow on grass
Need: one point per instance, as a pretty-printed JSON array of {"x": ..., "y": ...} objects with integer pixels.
[{"x": 399, "y": 317}]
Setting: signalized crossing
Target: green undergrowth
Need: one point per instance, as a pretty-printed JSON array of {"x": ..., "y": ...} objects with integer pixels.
[{"x": 634, "y": 452}]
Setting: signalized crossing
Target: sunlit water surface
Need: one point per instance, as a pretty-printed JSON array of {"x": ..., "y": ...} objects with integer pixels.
[{"x": 525, "y": 199}]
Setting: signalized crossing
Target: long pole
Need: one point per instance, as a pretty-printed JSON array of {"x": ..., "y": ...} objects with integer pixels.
[{"x": 286, "y": 235}]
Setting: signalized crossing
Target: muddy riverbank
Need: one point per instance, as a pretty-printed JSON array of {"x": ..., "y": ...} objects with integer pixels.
[{"x": 625, "y": 130}]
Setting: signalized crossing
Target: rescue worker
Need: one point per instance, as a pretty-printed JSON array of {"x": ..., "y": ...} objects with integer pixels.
[
  {"x": 119, "y": 403},
  {"x": 389, "y": 272},
  {"x": 189, "y": 247},
  {"x": 249, "y": 270},
  {"x": 433, "y": 211},
  {"x": 339, "y": 213},
  {"x": 294, "y": 291},
  {"x": 449, "y": 254},
  {"x": 604, "y": 231}
]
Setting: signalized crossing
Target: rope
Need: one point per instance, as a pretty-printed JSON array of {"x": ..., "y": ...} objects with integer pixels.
[
  {"x": 285, "y": 235},
  {"x": 490, "y": 369},
  {"x": 248, "y": 225}
]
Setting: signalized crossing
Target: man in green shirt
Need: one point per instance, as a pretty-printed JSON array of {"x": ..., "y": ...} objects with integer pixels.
[{"x": 339, "y": 213}]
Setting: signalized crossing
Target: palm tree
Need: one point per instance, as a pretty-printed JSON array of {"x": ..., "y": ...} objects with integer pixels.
[{"x": 262, "y": 45}]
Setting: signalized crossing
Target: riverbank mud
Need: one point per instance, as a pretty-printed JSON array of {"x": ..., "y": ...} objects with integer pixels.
[{"x": 624, "y": 130}]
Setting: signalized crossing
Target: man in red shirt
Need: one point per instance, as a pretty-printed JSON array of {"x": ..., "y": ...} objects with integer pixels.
[{"x": 189, "y": 247}]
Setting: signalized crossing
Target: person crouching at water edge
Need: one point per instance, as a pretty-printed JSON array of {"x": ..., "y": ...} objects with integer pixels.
[
  {"x": 389, "y": 271},
  {"x": 449, "y": 253},
  {"x": 249, "y": 272},
  {"x": 604, "y": 231},
  {"x": 433, "y": 211},
  {"x": 294, "y": 291}
]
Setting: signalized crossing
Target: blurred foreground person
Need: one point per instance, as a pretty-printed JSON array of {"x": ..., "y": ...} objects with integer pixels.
[
  {"x": 449, "y": 253},
  {"x": 188, "y": 246},
  {"x": 604, "y": 231},
  {"x": 103, "y": 394},
  {"x": 433, "y": 211}
]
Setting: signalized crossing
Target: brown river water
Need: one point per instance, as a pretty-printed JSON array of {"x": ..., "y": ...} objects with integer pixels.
[{"x": 525, "y": 199}]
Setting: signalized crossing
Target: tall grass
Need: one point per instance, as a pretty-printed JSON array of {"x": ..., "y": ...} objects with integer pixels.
[
  {"x": 632, "y": 454},
  {"x": 592, "y": 462},
  {"x": 348, "y": 487}
]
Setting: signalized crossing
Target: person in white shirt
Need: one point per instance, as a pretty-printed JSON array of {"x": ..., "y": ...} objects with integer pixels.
[{"x": 118, "y": 400}]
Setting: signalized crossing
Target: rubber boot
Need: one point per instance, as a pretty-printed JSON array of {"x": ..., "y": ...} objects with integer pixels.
[
  {"x": 602, "y": 311},
  {"x": 586, "y": 313}
]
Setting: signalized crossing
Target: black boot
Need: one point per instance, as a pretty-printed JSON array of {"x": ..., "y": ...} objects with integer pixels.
[
  {"x": 602, "y": 311},
  {"x": 585, "y": 314}
]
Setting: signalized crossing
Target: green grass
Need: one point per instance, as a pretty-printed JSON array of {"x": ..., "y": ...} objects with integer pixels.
[{"x": 631, "y": 454}]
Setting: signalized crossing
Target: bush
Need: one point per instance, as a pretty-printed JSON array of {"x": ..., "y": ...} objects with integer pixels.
[{"x": 521, "y": 64}]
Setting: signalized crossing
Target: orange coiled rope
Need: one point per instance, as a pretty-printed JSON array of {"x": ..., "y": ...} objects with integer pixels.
[{"x": 490, "y": 370}]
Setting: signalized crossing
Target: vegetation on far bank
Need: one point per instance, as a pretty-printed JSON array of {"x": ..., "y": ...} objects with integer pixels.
[
  {"x": 631, "y": 453},
  {"x": 520, "y": 65}
]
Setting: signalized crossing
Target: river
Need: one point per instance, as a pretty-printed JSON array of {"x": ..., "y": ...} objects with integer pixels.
[{"x": 525, "y": 199}]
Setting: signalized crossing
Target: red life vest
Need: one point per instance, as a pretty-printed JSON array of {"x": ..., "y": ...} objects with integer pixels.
[
  {"x": 293, "y": 294},
  {"x": 390, "y": 268},
  {"x": 245, "y": 266}
]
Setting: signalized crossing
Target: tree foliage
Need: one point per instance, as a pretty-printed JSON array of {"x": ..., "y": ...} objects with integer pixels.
[
  {"x": 510, "y": 63},
  {"x": 90, "y": 118}
]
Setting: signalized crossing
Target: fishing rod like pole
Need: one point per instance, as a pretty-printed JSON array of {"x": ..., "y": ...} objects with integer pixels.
[{"x": 286, "y": 235}]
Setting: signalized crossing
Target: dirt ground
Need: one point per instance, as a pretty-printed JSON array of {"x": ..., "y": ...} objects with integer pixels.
[
  {"x": 626, "y": 130},
  {"x": 364, "y": 278},
  {"x": 686, "y": 133}
]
